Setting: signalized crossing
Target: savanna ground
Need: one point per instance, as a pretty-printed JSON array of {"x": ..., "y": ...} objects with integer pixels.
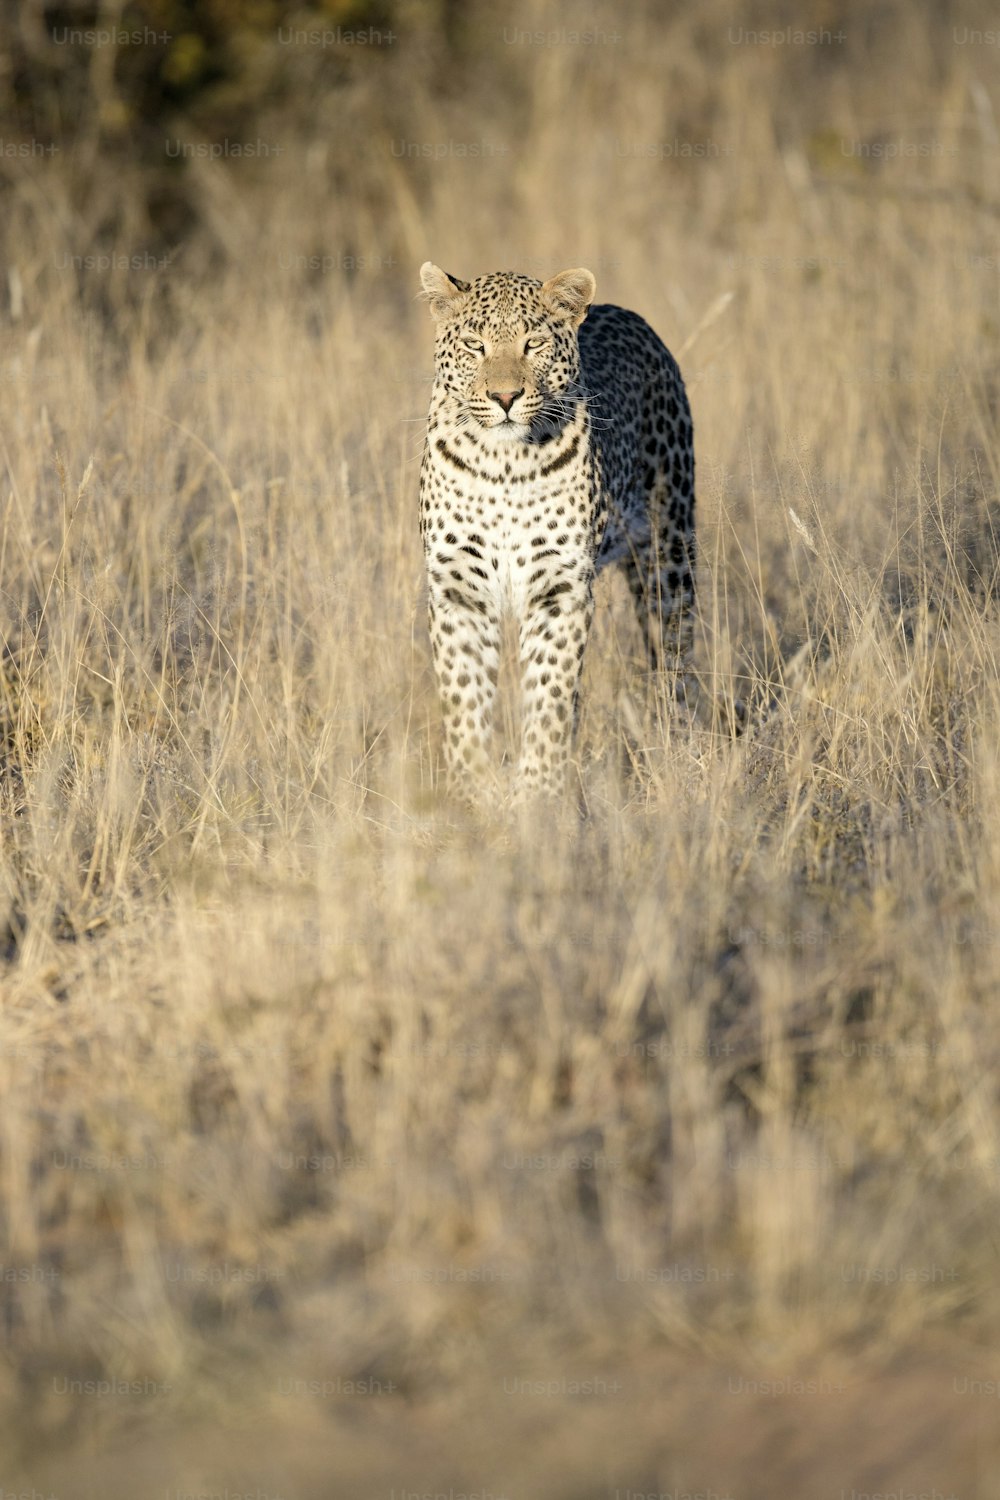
[{"x": 354, "y": 1145}]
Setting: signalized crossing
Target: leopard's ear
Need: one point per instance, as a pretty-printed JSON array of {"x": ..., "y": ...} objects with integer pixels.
[
  {"x": 570, "y": 294},
  {"x": 444, "y": 293}
]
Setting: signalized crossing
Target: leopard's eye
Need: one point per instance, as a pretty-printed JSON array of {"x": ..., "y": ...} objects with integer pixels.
[
  {"x": 535, "y": 343},
  {"x": 474, "y": 346}
]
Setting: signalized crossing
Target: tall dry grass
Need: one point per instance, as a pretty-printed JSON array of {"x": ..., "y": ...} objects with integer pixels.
[{"x": 333, "y": 1117}]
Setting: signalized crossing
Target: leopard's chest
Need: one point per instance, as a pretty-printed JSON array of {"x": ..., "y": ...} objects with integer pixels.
[
  {"x": 510, "y": 485},
  {"x": 517, "y": 518}
]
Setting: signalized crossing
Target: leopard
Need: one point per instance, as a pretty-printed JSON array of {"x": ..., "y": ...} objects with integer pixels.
[{"x": 559, "y": 442}]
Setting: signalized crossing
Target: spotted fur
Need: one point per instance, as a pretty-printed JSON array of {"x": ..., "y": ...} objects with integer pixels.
[{"x": 559, "y": 440}]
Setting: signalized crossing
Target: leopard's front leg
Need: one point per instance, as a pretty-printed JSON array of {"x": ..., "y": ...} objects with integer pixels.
[
  {"x": 553, "y": 634},
  {"x": 465, "y": 642}
]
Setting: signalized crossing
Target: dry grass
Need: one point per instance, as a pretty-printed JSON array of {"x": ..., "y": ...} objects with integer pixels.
[{"x": 309, "y": 1077}]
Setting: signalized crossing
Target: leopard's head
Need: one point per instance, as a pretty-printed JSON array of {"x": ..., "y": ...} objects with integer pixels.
[{"x": 506, "y": 347}]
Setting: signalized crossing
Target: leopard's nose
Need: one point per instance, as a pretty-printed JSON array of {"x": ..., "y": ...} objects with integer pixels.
[{"x": 506, "y": 398}]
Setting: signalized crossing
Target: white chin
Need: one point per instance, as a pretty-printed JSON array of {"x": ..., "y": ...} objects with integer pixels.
[{"x": 510, "y": 432}]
